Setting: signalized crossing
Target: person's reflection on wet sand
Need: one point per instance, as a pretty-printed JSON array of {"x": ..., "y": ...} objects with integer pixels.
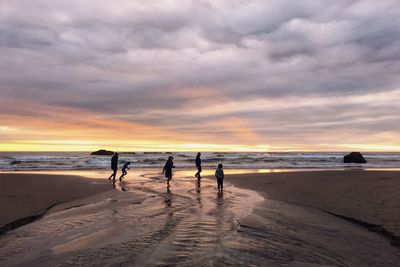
[
  {"x": 220, "y": 217},
  {"x": 122, "y": 184},
  {"x": 169, "y": 210},
  {"x": 220, "y": 197},
  {"x": 198, "y": 186},
  {"x": 198, "y": 190},
  {"x": 168, "y": 198}
]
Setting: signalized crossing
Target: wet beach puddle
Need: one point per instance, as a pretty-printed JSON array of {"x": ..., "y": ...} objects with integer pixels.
[{"x": 143, "y": 224}]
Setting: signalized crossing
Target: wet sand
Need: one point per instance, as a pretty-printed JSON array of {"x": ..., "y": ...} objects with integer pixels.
[
  {"x": 142, "y": 223},
  {"x": 369, "y": 196},
  {"x": 29, "y": 195}
]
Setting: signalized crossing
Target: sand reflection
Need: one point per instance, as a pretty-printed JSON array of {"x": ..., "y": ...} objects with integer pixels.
[{"x": 144, "y": 222}]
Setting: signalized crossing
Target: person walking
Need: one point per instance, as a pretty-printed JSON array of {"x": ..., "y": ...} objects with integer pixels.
[
  {"x": 168, "y": 169},
  {"x": 114, "y": 167},
  {"x": 124, "y": 168},
  {"x": 219, "y": 174},
  {"x": 198, "y": 166}
]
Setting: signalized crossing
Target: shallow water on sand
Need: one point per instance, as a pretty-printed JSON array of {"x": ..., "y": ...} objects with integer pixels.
[
  {"x": 141, "y": 224},
  {"x": 144, "y": 224}
]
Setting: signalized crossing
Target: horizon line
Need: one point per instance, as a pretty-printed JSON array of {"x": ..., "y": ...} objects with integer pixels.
[{"x": 194, "y": 151}]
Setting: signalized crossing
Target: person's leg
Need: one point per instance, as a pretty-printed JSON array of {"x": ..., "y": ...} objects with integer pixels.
[
  {"x": 198, "y": 172},
  {"x": 222, "y": 184},
  {"x": 122, "y": 175},
  {"x": 114, "y": 176},
  {"x": 218, "y": 184}
]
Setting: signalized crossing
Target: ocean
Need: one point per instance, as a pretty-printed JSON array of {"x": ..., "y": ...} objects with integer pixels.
[{"x": 26, "y": 161}]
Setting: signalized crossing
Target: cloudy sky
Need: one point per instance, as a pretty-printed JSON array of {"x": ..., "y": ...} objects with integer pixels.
[{"x": 200, "y": 75}]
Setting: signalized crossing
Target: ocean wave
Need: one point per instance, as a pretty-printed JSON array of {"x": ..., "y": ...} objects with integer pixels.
[{"x": 85, "y": 161}]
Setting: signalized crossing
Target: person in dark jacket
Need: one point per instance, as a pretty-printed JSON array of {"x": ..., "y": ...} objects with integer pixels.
[
  {"x": 198, "y": 166},
  {"x": 219, "y": 174},
  {"x": 168, "y": 169},
  {"x": 114, "y": 167},
  {"x": 124, "y": 168}
]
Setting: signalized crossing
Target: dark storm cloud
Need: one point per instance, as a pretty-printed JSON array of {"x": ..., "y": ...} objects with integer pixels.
[{"x": 146, "y": 61}]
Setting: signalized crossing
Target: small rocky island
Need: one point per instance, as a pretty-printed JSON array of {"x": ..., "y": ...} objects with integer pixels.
[
  {"x": 103, "y": 152},
  {"x": 354, "y": 157}
]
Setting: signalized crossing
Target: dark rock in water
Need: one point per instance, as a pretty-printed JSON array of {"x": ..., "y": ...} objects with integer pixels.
[
  {"x": 102, "y": 152},
  {"x": 15, "y": 162},
  {"x": 354, "y": 157}
]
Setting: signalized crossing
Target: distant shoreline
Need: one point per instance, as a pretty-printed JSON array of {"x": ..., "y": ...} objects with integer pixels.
[
  {"x": 228, "y": 170},
  {"x": 233, "y": 160}
]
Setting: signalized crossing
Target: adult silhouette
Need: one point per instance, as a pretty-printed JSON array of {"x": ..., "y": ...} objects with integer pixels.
[
  {"x": 168, "y": 169},
  {"x": 198, "y": 166},
  {"x": 114, "y": 167}
]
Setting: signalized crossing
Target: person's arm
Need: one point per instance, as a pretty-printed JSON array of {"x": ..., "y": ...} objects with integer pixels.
[
  {"x": 165, "y": 166},
  {"x": 222, "y": 174},
  {"x": 216, "y": 173}
]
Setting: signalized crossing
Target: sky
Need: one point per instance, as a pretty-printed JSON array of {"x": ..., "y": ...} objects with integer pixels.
[{"x": 207, "y": 75}]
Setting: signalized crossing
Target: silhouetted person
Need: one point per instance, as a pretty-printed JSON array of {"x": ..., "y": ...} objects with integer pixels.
[
  {"x": 124, "y": 168},
  {"x": 219, "y": 174},
  {"x": 198, "y": 165},
  {"x": 114, "y": 167},
  {"x": 168, "y": 169}
]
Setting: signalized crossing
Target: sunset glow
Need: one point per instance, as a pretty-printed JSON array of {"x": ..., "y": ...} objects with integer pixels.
[{"x": 172, "y": 76}]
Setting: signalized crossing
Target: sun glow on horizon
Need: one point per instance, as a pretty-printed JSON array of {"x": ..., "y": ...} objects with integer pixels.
[
  {"x": 151, "y": 76},
  {"x": 126, "y": 146},
  {"x": 164, "y": 146}
]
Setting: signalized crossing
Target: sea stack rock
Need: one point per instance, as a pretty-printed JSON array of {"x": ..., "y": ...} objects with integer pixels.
[
  {"x": 102, "y": 152},
  {"x": 354, "y": 157}
]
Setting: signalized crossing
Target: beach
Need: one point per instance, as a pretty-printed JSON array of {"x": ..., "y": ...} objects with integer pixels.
[
  {"x": 30, "y": 195},
  {"x": 261, "y": 219},
  {"x": 351, "y": 215},
  {"x": 369, "y": 196},
  {"x": 199, "y": 133}
]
